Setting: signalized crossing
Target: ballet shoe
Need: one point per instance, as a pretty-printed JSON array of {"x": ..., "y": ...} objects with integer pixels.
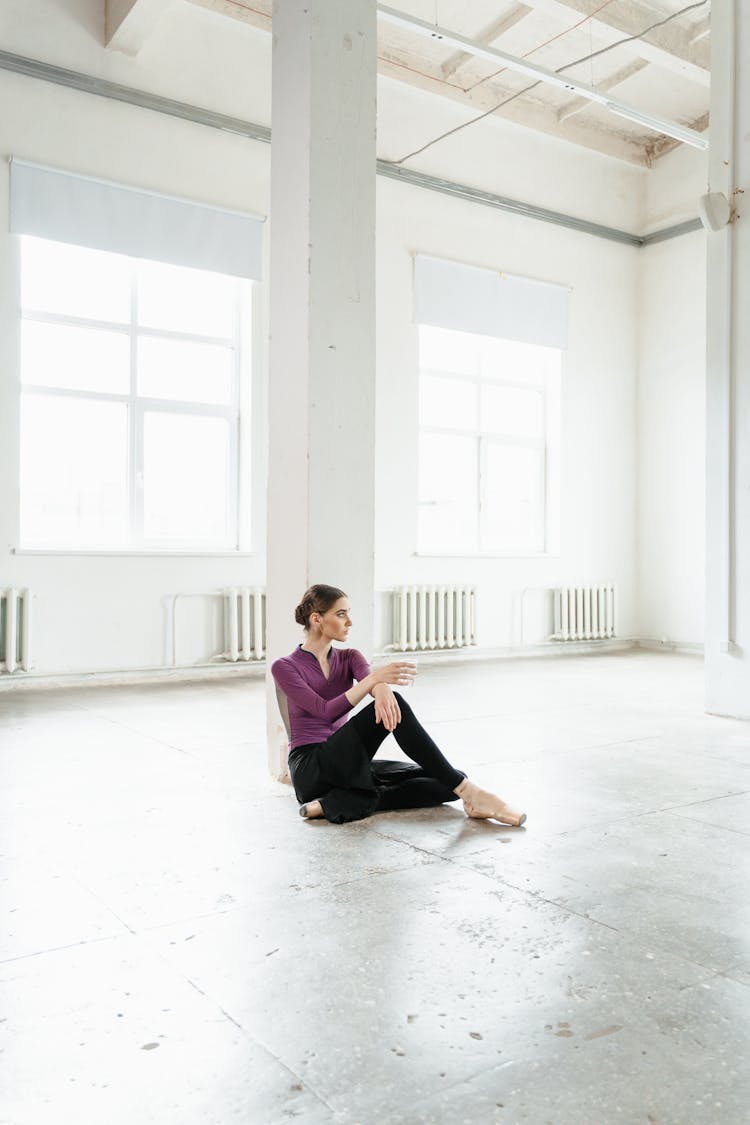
[
  {"x": 482, "y": 805},
  {"x": 311, "y": 810}
]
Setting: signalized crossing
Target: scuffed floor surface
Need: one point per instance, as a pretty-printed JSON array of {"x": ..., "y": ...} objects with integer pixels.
[{"x": 180, "y": 948}]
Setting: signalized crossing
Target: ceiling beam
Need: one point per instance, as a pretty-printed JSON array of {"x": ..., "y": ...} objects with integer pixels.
[
  {"x": 489, "y": 35},
  {"x": 671, "y": 47},
  {"x": 700, "y": 30},
  {"x": 128, "y": 23},
  {"x": 256, "y": 14},
  {"x": 575, "y": 105},
  {"x": 662, "y": 145},
  {"x": 542, "y": 74},
  {"x": 527, "y": 112}
]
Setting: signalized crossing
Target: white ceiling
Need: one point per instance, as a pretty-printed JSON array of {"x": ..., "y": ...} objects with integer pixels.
[{"x": 663, "y": 72}]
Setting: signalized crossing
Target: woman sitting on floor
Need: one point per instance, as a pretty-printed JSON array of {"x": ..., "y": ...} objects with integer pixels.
[{"x": 331, "y": 760}]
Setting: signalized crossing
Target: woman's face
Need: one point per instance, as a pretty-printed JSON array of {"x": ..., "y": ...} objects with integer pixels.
[{"x": 335, "y": 623}]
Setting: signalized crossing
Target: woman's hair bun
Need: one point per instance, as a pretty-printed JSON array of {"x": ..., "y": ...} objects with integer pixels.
[
  {"x": 318, "y": 599},
  {"x": 303, "y": 611}
]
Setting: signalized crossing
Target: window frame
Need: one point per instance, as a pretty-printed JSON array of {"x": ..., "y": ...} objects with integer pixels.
[
  {"x": 545, "y": 447},
  {"x": 238, "y": 413}
]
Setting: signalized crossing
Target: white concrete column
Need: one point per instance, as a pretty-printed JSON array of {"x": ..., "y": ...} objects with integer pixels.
[
  {"x": 727, "y": 644},
  {"x": 128, "y": 23},
  {"x": 321, "y": 438}
]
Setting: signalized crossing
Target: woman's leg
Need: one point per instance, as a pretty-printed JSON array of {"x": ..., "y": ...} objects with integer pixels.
[
  {"x": 415, "y": 793},
  {"x": 413, "y": 740},
  {"x": 334, "y": 778},
  {"x": 483, "y": 805},
  {"x": 342, "y": 764},
  {"x": 338, "y": 772},
  {"x": 416, "y": 742}
]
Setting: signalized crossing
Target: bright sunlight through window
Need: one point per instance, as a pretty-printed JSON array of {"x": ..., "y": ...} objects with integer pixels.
[
  {"x": 130, "y": 408},
  {"x": 489, "y": 425}
]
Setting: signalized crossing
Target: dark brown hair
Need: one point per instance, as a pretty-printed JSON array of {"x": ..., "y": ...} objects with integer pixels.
[{"x": 318, "y": 599}]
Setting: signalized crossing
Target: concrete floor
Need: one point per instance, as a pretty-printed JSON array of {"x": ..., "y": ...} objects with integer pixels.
[{"x": 183, "y": 949}]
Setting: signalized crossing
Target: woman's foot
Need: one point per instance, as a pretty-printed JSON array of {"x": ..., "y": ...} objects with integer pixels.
[
  {"x": 481, "y": 805},
  {"x": 311, "y": 810}
]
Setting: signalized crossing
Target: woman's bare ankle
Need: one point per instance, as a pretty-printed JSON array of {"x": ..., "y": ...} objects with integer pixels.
[
  {"x": 311, "y": 810},
  {"x": 483, "y": 805}
]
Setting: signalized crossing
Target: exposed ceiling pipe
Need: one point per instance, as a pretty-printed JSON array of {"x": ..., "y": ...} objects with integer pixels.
[{"x": 541, "y": 74}]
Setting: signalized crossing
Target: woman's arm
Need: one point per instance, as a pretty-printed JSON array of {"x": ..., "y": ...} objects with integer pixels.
[
  {"x": 401, "y": 673},
  {"x": 387, "y": 710},
  {"x": 297, "y": 690}
]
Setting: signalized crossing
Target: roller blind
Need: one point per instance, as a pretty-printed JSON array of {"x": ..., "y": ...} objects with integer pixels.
[
  {"x": 102, "y": 215},
  {"x": 488, "y": 303}
]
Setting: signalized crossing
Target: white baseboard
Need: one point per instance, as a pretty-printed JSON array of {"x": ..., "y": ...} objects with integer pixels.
[
  {"x": 32, "y": 681},
  {"x": 545, "y": 649},
  {"x": 691, "y": 648},
  {"x": 479, "y": 652}
]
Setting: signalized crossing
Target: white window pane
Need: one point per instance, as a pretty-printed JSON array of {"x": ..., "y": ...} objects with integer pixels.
[
  {"x": 79, "y": 359},
  {"x": 443, "y": 349},
  {"x": 74, "y": 459},
  {"x": 186, "y": 300},
  {"x": 512, "y": 411},
  {"x": 185, "y": 479},
  {"x": 513, "y": 360},
  {"x": 184, "y": 370},
  {"x": 74, "y": 281},
  {"x": 512, "y": 499},
  {"x": 447, "y": 492},
  {"x": 449, "y": 403}
]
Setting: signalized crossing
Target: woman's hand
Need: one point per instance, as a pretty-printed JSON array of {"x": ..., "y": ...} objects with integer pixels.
[
  {"x": 402, "y": 673},
  {"x": 387, "y": 710}
]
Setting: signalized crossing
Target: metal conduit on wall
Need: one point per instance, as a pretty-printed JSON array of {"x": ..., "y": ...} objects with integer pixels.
[{"x": 89, "y": 84}]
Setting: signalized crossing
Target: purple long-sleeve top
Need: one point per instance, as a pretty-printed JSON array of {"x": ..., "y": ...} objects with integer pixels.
[{"x": 317, "y": 706}]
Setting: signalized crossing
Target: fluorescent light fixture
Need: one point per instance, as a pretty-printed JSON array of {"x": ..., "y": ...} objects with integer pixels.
[
  {"x": 541, "y": 74},
  {"x": 669, "y": 128}
]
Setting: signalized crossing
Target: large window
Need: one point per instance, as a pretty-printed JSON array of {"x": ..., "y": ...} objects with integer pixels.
[
  {"x": 489, "y": 422},
  {"x": 132, "y": 375}
]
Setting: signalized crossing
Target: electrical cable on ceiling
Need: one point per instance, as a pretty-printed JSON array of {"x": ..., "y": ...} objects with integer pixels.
[
  {"x": 533, "y": 85},
  {"x": 634, "y": 38},
  {"x": 421, "y": 73}
]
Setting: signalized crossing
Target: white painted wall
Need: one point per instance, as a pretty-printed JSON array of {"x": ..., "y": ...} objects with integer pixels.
[
  {"x": 191, "y": 55},
  {"x": 498, "y": 156},
  {"x": 598, "y": 471},
  {"x": 96, "y": 613},
  {"x": 598, "y": 403},
  {"x": 671, "y": 319},
  {"x": 673, "y": 187},
  {"x": 671, "y": 441}
]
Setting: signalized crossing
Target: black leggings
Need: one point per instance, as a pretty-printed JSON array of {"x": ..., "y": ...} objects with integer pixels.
[{"x": 340, "y": 772}]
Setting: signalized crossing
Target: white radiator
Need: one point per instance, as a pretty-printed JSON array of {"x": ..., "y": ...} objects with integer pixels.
[
  {"x": 15, "y": 630},
  {"x": 433, "y": 617},
  {"x": 244, "y": 623},
  {"x": 585, "y": 613}
]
